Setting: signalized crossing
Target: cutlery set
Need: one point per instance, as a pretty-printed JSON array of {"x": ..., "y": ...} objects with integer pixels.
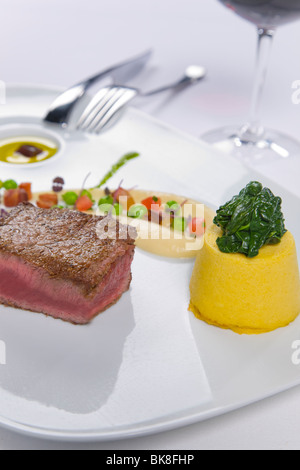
[{"x": 107, "y": 102}]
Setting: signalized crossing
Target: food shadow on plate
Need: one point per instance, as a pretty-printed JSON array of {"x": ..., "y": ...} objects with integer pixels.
[{"x": 69, "y": 367}]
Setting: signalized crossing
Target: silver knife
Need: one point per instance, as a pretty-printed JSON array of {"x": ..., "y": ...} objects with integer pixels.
[{"x": 60, "y": 110}]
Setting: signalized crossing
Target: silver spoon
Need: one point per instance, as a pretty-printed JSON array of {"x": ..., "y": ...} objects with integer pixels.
[{"x": 193, "y": 74}]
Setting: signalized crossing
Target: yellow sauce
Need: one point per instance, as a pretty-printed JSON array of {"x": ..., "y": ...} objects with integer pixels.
[
  {"x": 10, "y": 145},
  {"x": 157, "y": 239}
]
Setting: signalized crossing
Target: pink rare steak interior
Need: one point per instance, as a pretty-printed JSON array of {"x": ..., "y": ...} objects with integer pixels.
[{"x": 53, "y": 262}]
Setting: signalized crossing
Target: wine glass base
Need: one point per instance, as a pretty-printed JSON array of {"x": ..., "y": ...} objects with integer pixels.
[{"x": 269, "y": 145}]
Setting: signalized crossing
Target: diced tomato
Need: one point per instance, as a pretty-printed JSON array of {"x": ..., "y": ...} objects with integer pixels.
[
  {"x": 23, "y": 195},
  {"x": 47, "y": 200},
  {"x": 84, "y": 203},
  {"x": 152, "y": 203},
  {"x": 197, "y": 226},
  {"x": 123, "y": 193},
  {"x": 12, "y": 197},
  {"x": 27, "y": 187}
]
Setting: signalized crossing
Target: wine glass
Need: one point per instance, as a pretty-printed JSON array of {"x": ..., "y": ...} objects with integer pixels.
[{"x": 252, "y": 141}]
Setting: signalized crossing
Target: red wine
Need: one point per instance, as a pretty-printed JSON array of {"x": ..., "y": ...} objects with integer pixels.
[{"x": 266, "y": 13}]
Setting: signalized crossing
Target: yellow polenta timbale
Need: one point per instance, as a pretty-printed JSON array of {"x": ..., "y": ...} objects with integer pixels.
[{"x": 246, "y": 295}]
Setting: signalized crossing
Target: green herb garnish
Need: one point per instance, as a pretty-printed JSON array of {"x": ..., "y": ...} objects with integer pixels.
[
  {"x": 172, "y": 203},
  {"x": 70, "y": 198},
  {"x": 10, "y": 184},
  {"x": 250, "y": 220},
  {"x": 117, "y": 166}
]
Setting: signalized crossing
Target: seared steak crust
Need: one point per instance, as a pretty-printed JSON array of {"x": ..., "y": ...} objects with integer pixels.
[{"x": 62, "y": 242}]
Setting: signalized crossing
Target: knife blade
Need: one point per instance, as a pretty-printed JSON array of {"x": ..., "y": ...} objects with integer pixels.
[{"x": 60, "y": 110}]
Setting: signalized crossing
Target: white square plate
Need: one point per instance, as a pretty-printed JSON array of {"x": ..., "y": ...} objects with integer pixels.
[{"x": 145, "y": 365}]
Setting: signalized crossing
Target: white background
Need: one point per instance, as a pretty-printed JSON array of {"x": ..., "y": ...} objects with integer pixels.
[{"x": 59, "y": 42}]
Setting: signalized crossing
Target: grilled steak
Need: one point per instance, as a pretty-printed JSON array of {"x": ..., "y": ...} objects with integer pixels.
[{"x": 52, "y": 261}]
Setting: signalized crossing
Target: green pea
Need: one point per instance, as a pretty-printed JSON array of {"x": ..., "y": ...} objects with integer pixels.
[
  {"x": 70, "y": 198},
  {"x": 106, "y": 200},
  {"x": 114, "y": 209},
  {"x": 118, "y": 208},
  {"x": 179, "y": 224},
  {"x": 10, "y": 184},
  {"x": 173, "y": 207},
  {"x": 105, "y": 208},
  {"x": 137, "y": 211}
]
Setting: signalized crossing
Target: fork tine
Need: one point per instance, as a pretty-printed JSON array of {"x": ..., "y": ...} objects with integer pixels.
[
  {"x": 110, "y": 102},
  {"x": 96, "y": 110},
  {"x": 104, "y": 119},
  {"x": 90, "y": 109},
  {"x": 99, "y": 101}
]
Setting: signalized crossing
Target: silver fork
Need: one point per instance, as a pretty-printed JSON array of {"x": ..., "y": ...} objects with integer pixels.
[
  {"x": 61, "y": 109},
  {"x": 109, "y": 100}
]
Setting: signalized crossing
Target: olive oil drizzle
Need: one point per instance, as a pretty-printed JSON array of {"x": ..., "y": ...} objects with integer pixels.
[{"x": 9, "y": 149}]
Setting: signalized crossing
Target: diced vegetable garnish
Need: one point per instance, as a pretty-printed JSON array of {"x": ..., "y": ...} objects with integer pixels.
[
  {"x": 152, "y": 203},
  {"x": 85, "y": 192},
  {"x": 107, "y": 206},
  {"x": 123, "y": 193},
  {"x": 58, "y": 184},
  {"x": 106, "y": 200},
  {"x": 197, "y": 226},
  {"x": 171, "y": 203},
  {"x": 118, "y": 208},
  {"x": 3, "y": 213},
  {"x": 179, "y": 223},
  {"x": 23, "y": 196},
  {"x": 59, "y": 180},
  {"x": 70, "y": 198},
  {"x": 137, "y": 211},
  {"x": 173, "y": 207},
  {"x": 47, "y": 200},
  {"x": 12, "y": 197},
  {"x": 10, "y": 184},
  {"x": 113, "y": 209},
  {"x": 27, "y": 188},
  {"x": 84, "y": 203}
]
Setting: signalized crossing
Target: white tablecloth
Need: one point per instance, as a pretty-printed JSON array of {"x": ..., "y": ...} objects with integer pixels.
[{"x": 58, "y": 42}]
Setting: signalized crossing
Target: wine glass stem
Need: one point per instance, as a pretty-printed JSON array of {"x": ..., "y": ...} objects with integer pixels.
[{"x": 265, "y": 41}]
